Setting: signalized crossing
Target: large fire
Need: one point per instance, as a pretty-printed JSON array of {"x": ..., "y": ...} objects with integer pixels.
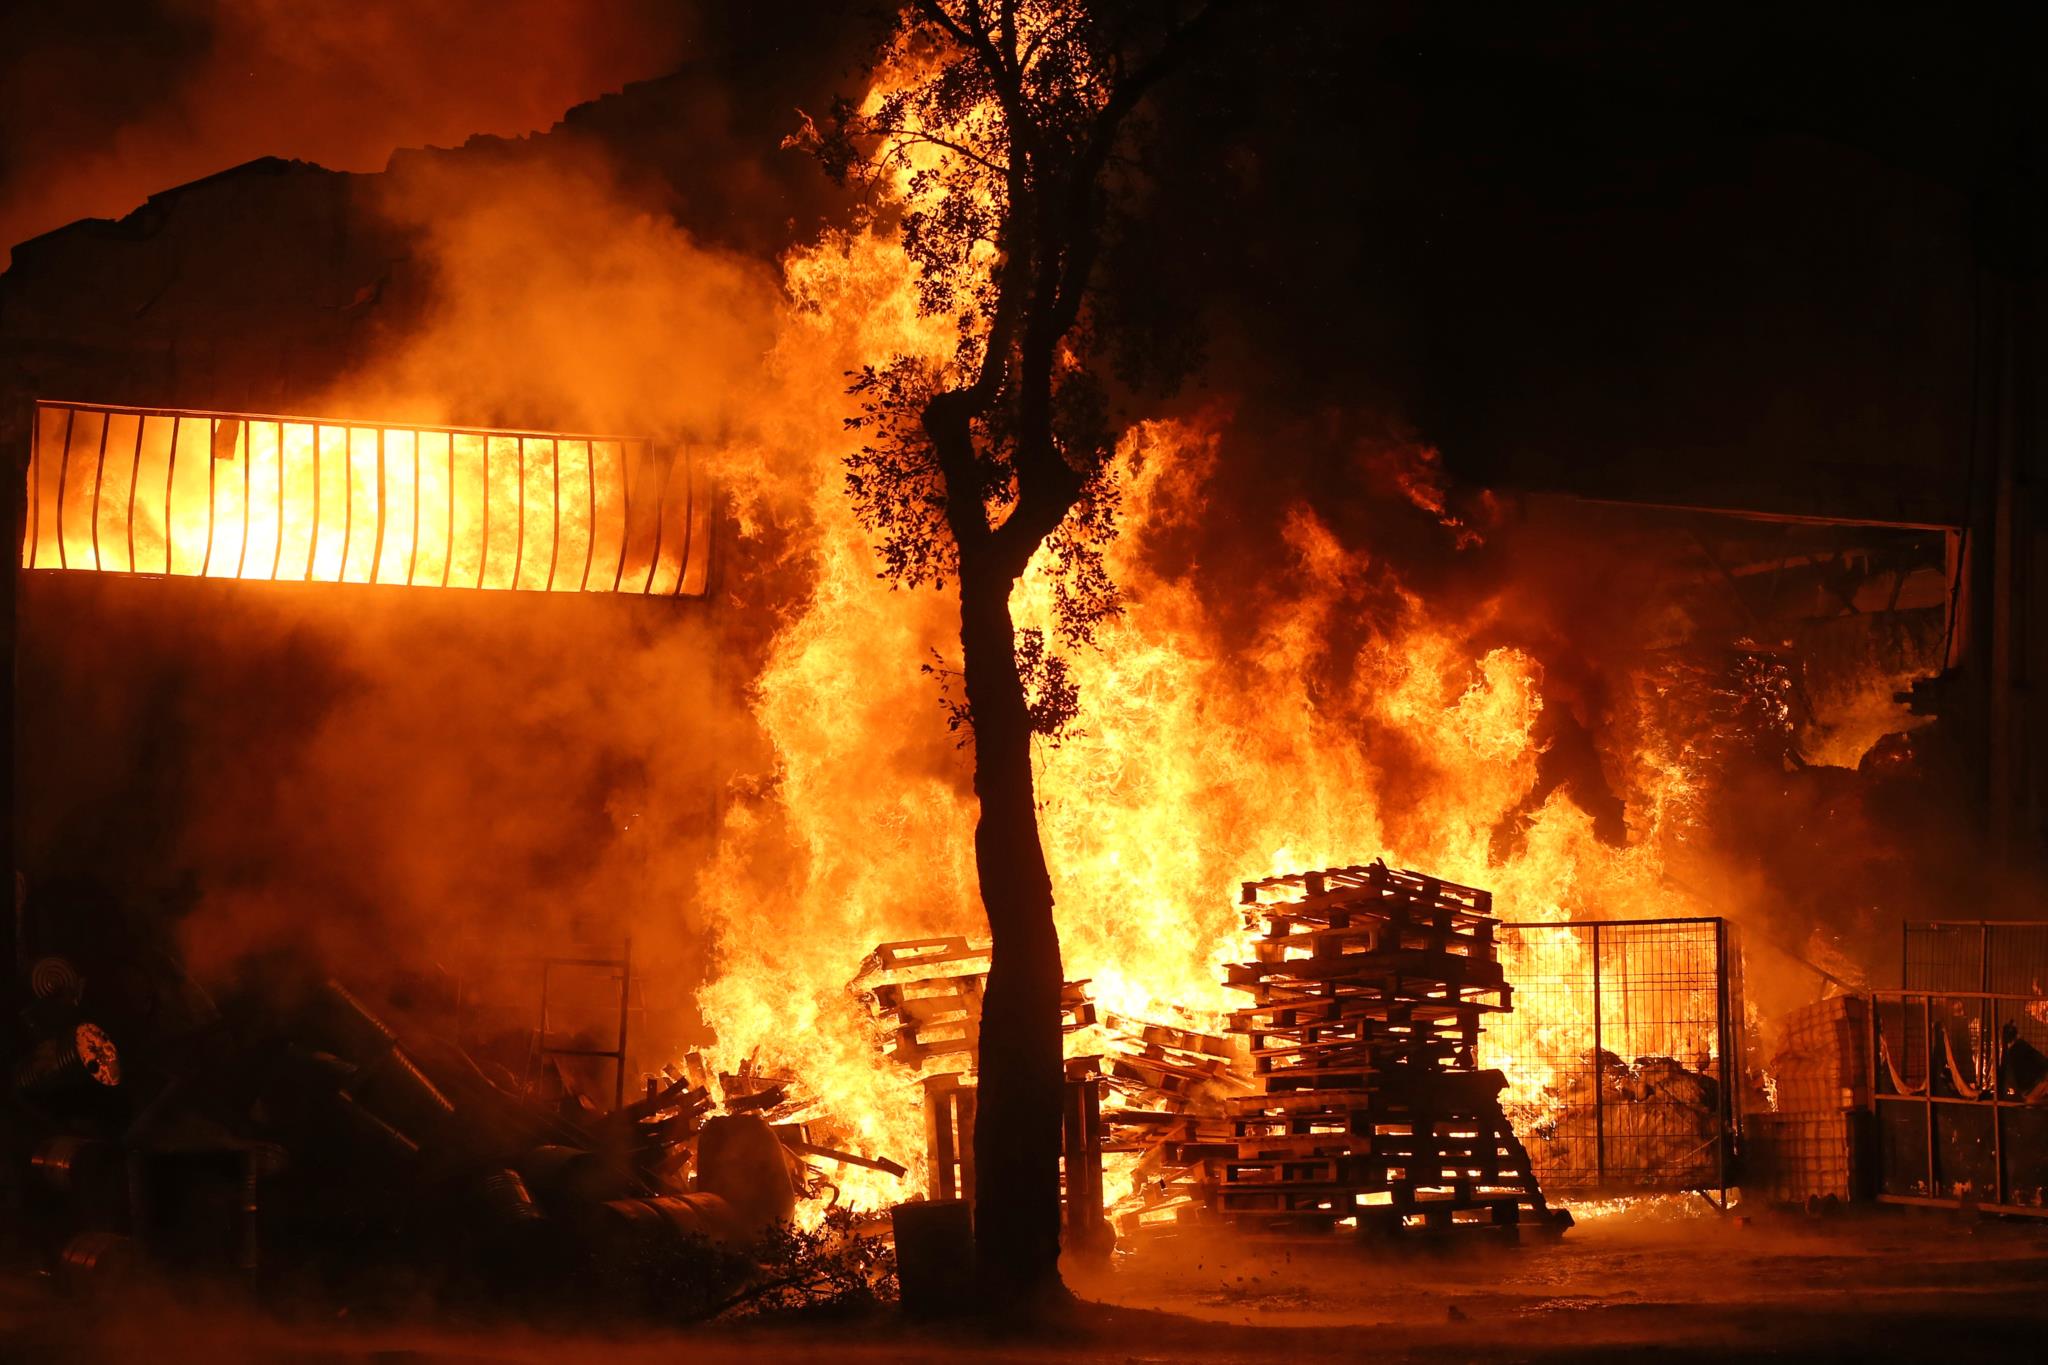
[{"x": 1205, "y": 754}]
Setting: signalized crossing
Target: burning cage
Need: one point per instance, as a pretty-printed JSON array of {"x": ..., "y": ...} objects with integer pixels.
[{"x": 1622, "y": 1054}]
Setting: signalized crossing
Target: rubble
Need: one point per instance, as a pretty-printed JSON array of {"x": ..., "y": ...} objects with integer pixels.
[{"x": 302, "y": 1140}]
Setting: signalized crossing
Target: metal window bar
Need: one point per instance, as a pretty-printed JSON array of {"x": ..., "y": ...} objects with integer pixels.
[
  {"x": 1622, "y": 1053},
  {"x": 1959, "y": 1126},
  {"x": 1998, "y": 957},
  {"x": 657, "y": 543}
]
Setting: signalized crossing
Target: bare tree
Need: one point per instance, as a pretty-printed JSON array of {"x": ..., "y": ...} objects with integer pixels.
[{"x": 1001, "y": 137}]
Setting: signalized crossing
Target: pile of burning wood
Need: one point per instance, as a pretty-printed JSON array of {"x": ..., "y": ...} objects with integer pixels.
[
  {"x": 1367, "y": 994},
  {"x": 1146, "y": 1097}
]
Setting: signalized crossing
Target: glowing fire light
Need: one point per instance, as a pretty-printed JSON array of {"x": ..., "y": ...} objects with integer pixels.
[{"x": 227, "y": 495}]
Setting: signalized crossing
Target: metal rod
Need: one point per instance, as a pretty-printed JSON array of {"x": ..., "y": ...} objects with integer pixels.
[
  {"x": 1927, "y": 1085},
  {"x": 63, "y": 472},
  {"x": 555, "y": 554},
  {"x": 1873, "y": 1030},
  {"x": 344, "y": 422},
  {"x": 277, "y": 546},
  {"x": 483, "y": 553},
  {"x": 590, "y": 526},
  {"x": 248, "y": 431},
  {"x": 35, "y": 480},
  {"x": 212, "y": 492},
  {"x": 519, "y": 513},
  {"x": 170, "y": 473},
  {"x": 1983, "y": 1007},
  {"x": 1997, "y": 1121},
  {"x": 625, "y": 515},
  {"x": 412, "y": 560},
  {"x": 377, "y": 546},
  {"x": 99, "y": 482},
  {"x": 660, "y": 511},
  {"x": 134, "y": 479},
  {"x": 313, "y": 535},
  {"x": 1722, "y": 1038},
  {"x": 1599, "y": 1075},
  {"x": 448, "y": 558},
  {"x": 348, "y": 500},
  {"x": 689, "y": 524}
]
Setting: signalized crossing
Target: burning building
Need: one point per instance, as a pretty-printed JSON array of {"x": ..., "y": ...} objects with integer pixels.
[{"x": 446, "y": 577}]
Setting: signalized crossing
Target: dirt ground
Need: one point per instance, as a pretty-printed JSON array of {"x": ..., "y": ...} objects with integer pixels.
[{"x": 1881, "y": 1284}]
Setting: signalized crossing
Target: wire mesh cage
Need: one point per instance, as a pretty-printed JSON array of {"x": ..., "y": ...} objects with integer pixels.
[
  {"x": 1621, "y": 1052},
  {"x": 1994, "y": 957},
  {"x": 1960, "y": 1081}
]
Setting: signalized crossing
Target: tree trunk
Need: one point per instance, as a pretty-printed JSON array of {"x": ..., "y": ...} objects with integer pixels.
[{"x": 1017, "y": 1114}]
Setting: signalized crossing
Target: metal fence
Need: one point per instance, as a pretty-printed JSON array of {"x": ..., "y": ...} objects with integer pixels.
[
  {"x": 1996, "y": 957},
  {"x": 164, "y": 491},
  {"x": 1959, "y": 1081},
  {"x": 1622, "y": 1053}
]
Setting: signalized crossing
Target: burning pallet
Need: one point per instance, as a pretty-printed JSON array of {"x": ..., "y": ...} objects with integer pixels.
[
  {"x": 1367, "y": 993},
  {"x": 926, "y": 995},
  {"x": 1167, "y": 1088}
]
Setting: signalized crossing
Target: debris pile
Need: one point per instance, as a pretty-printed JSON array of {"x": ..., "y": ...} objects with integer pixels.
[{"x": 295, "y": 1136}]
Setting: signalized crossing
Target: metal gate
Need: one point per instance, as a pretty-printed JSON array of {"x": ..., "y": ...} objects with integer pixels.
[{"x": 1622, "y": 1052}]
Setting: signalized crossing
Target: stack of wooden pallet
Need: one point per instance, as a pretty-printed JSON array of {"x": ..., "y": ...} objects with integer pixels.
[
  {"x": 1166, "y": 1088},
  {"x": 1367, "y": 990},
  {"x": 926, "y": 994}
]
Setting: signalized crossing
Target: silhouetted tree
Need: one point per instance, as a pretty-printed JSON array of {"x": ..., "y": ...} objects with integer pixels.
[{"x": 1005, "y": 123}]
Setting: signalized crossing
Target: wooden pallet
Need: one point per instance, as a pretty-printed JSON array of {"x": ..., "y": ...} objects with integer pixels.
[{"x": 1368, "y": 989}]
